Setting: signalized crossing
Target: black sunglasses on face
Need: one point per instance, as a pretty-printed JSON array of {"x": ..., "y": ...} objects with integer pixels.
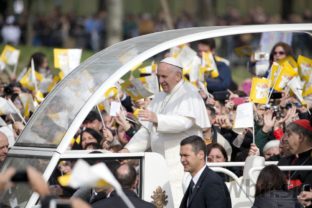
[{"x": 279, "y": 52}]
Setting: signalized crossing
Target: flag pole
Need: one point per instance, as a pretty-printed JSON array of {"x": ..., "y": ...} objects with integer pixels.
[
  {"x": 34, "y": 74},
  {"x": 121, "y": 109},
  {"x": 16, "y": 110},
  {"x": 253, "y": 125},
  {"x": 97, "y": 107},
  {"x": 12, "y": 118},
  {"x": 275, "y": 80},
  {"x": 15, "y": 67}
]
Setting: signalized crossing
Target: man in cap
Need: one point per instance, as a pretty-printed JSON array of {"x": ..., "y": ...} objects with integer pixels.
[{"x": 175, "y": 113}]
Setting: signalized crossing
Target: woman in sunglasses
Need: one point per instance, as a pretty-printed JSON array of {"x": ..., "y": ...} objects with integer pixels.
[{"x": 280, "y": 51}]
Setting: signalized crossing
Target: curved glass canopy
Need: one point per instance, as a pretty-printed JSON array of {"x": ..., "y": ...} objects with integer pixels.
[{"x": 61, "y": 113}]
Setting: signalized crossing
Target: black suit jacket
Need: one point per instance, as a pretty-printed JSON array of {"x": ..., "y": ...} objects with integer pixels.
[
  {"x": 209, "y": 192},
  {"x": 115, "y": 201}
]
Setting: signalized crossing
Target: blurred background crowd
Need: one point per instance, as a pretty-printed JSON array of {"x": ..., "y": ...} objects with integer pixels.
[{"x": 56, "y": 24}]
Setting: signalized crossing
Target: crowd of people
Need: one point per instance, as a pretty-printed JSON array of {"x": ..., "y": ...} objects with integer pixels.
[
  {"x": 171, "y": 121},
  {"x": 69, "y": 30}
]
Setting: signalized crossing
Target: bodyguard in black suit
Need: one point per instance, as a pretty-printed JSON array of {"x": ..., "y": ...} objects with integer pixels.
[
  {"x": 126, "y": 176},
  {"x": 206, "y": 189}
]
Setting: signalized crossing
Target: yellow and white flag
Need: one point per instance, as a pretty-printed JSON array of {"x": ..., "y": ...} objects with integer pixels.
[
  {"x": 259, "y": 90},
  {"x": 292, "y": 62},
  {"x": 2, "y": 122},
  {"x": 274, "y": 72},
  {"x": 195, "y": 74},
  {"x": 28, "y": 103},
  {"x": 152, "y": 83},
  {"x": 66, "y": 59},
  {"x": 31, "y": 78},
  {"x": 104, "y": 105},
  {"x": 98, "y": 175},
  {"x": 186, "y": 56},
  {"x": 209, "y": 65},
  {"x": 16, "y": 111},
  {"x": 287, "y": 72},
  {"x": 10, "y": 55},
  {"x": 305, "y": 67},
  {"x": 6, "y": 108},
  {"x": 308, "y": 87},
  {"x": 152, "y": 68},
  {"x": 112, "y": 92},
  {"x": 175, "y": 51},
  {"x": 135, "y": 89},
  {"x": 85, "y": 175},
  {"x": 296, "y": 86}
]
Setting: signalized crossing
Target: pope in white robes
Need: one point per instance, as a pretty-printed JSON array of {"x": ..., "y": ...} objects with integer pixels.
[{"x": 174, "y": 114}]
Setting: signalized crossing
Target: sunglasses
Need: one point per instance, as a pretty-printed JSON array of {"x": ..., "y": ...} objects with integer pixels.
[{"x": 279, "y": 52}]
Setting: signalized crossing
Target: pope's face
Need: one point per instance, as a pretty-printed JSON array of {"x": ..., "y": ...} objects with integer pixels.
[{"x": 168, "y": 77}]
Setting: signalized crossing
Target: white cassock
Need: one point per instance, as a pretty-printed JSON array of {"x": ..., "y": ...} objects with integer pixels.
[{"x": 180, "y": 114}]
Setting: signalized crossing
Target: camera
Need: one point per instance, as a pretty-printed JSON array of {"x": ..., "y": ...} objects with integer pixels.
[
  {"x": 267, "y": 106},
  {"x": 276, "y": 95},
  {"x": 261, "y": 56},
  {"x": 288, "y": 106},
  {"x": 306, "y": 187},
  {"x": 8, "y": 89},
  {"x": 276, "y": 112},
  {"x": 20, "y": 176}
]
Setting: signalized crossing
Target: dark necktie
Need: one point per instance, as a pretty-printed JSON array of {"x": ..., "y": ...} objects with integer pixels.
[{"x": 190, "y": 192}]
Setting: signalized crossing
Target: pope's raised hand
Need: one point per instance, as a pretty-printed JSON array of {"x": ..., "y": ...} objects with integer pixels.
[{"x": 146, "y": 115}]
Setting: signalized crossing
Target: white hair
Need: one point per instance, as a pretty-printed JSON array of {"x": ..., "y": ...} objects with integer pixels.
[{"x": 271, "y": 144}]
